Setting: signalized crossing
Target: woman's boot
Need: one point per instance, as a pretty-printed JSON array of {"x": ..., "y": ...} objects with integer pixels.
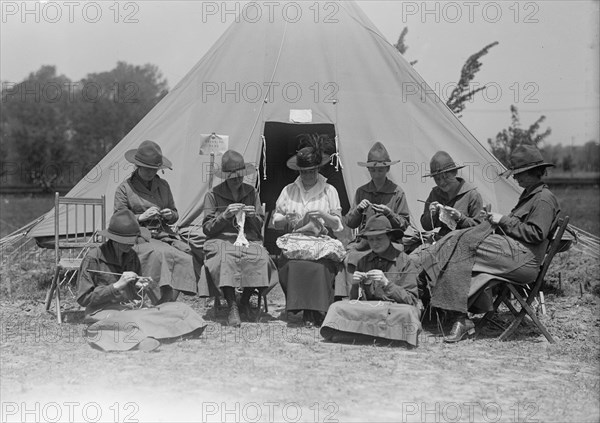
[{"x": 234, "y": 315}]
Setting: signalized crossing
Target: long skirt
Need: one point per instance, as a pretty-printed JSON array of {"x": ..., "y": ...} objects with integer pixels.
[
  {"x": 497, "y": 255},
  {"x": 238, "y": 267},
  {"x": 379, "y": 319},
  {"x": 167, "y": 265},
  {"x": 519, "y": 266},
  {"x": 122, "y": 330},
  {"x": 307, "y": 285}
]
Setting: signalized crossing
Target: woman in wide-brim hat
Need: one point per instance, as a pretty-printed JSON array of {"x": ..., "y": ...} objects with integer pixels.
[
  {"x": 460, "y": 199},
  {"x": 311, "y": 204},
  {"x": 166, "y": 257},
  {"x": 106, "y": 287},
  {"x": 388, "y": 284},
  {"x": 231, "y": 266},
  {"x": 379, "y": 196},
  {"x": 513, "y": 246}
]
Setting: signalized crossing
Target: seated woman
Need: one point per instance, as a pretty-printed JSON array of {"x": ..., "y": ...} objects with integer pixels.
[
  {"x": 309, "y": 205},
  {"x": 510, "y": 246},
  {"x": 387, "y": 280},
  {"x": 460, "y": 199},
  {"x": 453, "y": 202},
  {"x": 379, "y": 196},
  {"x": 110, "y": 289},
  {"x": 233, "y": 220},
  {"x": 165, "y": 257}
]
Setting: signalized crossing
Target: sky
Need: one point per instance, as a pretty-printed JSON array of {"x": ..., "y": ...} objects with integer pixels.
[{"x": 546, "y": 62}]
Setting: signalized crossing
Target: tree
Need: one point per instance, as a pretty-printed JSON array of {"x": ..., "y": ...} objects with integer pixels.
[
  {"x": 54, "y": 128},
  {"x": 567, "y": 163},
  {"x": 34, "y": 124},
  {"x": 588, "y": 157},
  {"x": 508, "y": 139},
  {"x": 111, "y": 104},
  {"x": 401, "y": 45},
  {"x": 463, "y": 92}
]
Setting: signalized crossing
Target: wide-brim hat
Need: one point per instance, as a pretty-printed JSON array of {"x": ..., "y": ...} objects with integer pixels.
[
  {"x": 148, "y": 154},
  {"x": 123, "y": 227},
  {"x": 525, "y": 157},
  {"x": 378, "y": 225},
  {"x": 378, "y": 156},
  {"x": 233, "y": 166},
  {"x": 441, "y": 162},
  {"x": 306, "y": 159}
]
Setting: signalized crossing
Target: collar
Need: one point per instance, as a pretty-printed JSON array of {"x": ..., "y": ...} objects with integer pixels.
[
  {"x": 533, "y": 190},
  {"x": 388, "y": 187},
  {"x": 318, "y": 187},
  {"x": 222, "y": 190},
  {"x": 463, "y": 188},
  {"x": 141, "y": 184},
  {"x": 390, "y": 254},
  {"x": 109, "y": 255}
]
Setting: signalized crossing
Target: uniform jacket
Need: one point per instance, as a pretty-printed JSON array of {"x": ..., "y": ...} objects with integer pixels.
[
  {"x": 390, "y": 195},
  {"x": 133, "y": 194},
  {"x": 400, "y": 271},
  {"x": 467, "y": 201},
  {"x": 95, "y": 291},
  {"x": 533, "y": 219},
  {"x": 215, "y": 225}
]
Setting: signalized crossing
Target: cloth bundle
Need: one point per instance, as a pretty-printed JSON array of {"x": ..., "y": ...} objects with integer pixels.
[{"x": 298, "y": 246}]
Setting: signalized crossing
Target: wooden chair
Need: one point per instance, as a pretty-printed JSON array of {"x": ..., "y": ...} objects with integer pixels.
[
  {"x": 526, "y": 295},
  {"x": 73, "y": 235}
]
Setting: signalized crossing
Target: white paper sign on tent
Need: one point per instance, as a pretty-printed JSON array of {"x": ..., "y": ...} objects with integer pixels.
[
  {"x": 300, "y": 116},
  {"x": 213, "y": 143}
]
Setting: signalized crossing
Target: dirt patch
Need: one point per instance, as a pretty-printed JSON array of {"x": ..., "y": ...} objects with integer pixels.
[{"x": 276, "y": 370}]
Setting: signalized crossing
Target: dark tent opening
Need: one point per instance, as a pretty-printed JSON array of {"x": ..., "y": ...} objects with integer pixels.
[{"x": 281, "y": 145}]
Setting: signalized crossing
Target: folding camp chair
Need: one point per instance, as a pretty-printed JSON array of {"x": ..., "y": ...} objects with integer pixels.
[
  {"x": 526, "y": 295},
  {"x": 74, "y": 235}
]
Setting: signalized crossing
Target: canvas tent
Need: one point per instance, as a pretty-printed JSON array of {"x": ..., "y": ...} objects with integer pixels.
[{"x": 265, "y": 80}]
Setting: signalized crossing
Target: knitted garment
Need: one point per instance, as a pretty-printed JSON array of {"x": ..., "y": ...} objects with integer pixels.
[
  {"x": 449, "y": 264},
  {"x": 240, "y": 220}
]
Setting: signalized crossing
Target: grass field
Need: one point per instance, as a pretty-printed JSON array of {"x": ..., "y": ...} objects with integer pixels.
[
  {"x": 18, "y": 210},
  {"x": 582, "y": 205}
]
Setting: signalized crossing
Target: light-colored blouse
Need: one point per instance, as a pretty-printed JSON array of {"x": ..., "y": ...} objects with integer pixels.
[{"x": 322, "y": 196}]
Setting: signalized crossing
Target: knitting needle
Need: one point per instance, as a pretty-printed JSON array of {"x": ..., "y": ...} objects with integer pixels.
[{"x": 106, "y": 273}]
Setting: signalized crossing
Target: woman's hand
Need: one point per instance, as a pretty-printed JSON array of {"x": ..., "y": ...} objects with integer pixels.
[
  {"x": 293, "y": 218},
  {"x": 330, "y": 220},
  {"x": 358, "y": 277},
  {"x": 250, "y": 210},
  {"x": 125, "y": 279},
  {"x": 316, "y": 214},
  {"x": 363, "y": 205},
  {"x": 378, "y": 276},
  {"x": 453, "y": 213},
  {"x": 433, "y": 207},
  {"x": 151, "y": 213},
  {"x": 381, "y": 208},
  {"x": 483, "y": 215},
  {"x": 494, "y": 218},
  {"x": 232, "y": 210},
  {"x": 167, "y": 214}
]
